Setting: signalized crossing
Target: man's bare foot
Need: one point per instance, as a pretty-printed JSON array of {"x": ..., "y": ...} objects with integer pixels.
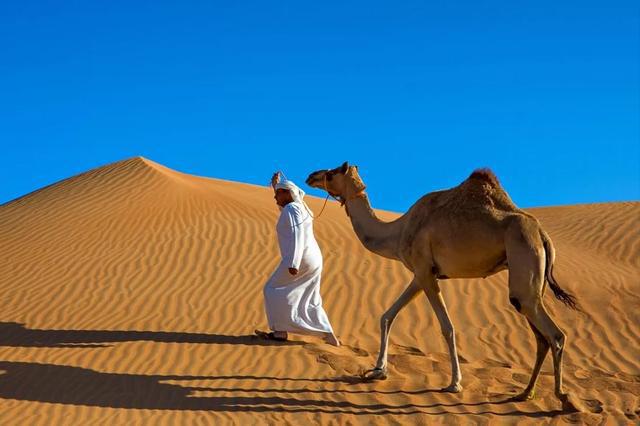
[
  {"x": 331, "y": 339},
  {"x": 280, "y": 335}
]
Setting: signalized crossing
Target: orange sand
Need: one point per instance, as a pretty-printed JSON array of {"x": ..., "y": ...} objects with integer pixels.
[{"x": 129, "y": 294}]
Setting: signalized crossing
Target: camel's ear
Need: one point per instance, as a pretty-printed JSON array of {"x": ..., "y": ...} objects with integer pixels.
[{"x": 345, "y": 167}]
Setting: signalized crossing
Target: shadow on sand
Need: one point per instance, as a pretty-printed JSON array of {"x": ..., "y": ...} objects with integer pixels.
[
  {"x": 17, "y": 335},
  {"x": 59, "y": 384},
  {"x": 51, "y": 383}
]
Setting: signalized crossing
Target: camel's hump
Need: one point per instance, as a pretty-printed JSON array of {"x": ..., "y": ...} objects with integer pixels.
[{"x": 486, "y": 175}]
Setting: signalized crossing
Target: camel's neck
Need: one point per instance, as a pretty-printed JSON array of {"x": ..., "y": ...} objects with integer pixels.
[{"x": 377, "y": 236}]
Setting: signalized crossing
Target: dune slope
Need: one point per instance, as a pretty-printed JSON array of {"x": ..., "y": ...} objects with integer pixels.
[{"x": 130, "y": 294}]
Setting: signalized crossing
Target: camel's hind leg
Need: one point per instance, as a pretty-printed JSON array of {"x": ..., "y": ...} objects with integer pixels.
[
  {"x": 526, "y": 258},
  {"x": 541, "y": 354},
  {"x": 540, "y": 319},
  {"x": 380, "y": 370}
]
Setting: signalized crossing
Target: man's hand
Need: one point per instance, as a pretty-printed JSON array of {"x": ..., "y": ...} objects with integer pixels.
[
  {"x": 293, "y": 271},
  {"x": 275, "y": 179}
]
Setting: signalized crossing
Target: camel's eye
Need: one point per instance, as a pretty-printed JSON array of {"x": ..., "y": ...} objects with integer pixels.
[{"x": 329, "y": 176}]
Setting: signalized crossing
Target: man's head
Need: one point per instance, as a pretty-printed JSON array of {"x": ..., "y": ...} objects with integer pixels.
[{"x": 283, "y": 197}]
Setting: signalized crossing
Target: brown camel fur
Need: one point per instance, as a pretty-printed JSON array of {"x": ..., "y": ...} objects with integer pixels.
[{"x": 469, "y": 231}]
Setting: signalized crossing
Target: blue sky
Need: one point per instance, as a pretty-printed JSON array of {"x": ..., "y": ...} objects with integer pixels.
[{"x": 417, "y": 94}]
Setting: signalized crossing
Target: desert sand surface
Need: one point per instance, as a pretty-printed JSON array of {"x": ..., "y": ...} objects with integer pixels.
[{"x": 130, "y": 293}]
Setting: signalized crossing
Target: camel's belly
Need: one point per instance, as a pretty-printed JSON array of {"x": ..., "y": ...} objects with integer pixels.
[
  {"x": 469, "y": 259},
  {"x": 464, "y": 246},
  {"x": 472, "y": 268}
]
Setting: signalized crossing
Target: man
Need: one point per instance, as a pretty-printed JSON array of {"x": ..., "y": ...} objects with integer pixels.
[{"x": 292, "y": 295}]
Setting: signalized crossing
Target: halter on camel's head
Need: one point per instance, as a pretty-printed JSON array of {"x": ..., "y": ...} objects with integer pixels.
[{"x": 342, "y": 183}]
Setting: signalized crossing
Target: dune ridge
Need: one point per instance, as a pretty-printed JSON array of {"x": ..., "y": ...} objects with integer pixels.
[{"x": 130, "y": 293}]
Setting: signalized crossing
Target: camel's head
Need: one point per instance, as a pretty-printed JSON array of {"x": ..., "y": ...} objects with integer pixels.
[{"x": 342, "y": 182}]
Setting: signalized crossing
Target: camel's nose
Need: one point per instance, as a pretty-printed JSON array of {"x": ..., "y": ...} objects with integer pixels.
[
  {"x": 309, "y": 179},
  {"x": 312, "y": 177}
]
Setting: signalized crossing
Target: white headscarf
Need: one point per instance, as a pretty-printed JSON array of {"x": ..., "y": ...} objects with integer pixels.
[{"x": 296, "y": 193}]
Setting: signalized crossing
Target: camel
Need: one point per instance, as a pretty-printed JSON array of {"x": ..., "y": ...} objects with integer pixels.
[{"x": 470, "y": 231}]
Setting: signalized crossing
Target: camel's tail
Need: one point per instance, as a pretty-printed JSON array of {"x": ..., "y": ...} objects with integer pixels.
[{"x": 566, "y": 298}]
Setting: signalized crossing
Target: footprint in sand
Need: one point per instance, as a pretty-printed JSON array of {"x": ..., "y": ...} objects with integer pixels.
[
  {"x": 495, "y": 363},
  {"x": 339, "y": 363},
  {"x": 632, "y": 415},
  {"x": 582, "y": 374},
  {"x": 408, "y": 350},
  {"x": 356, "y": 350},
  {"x": 593, "y": 405}
]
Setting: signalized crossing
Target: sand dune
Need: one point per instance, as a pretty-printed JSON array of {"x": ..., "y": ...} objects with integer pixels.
[{"x": 130, "y": 293}]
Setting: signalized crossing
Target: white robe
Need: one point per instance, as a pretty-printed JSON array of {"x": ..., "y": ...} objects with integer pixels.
[{"x": 293, "y": 302}]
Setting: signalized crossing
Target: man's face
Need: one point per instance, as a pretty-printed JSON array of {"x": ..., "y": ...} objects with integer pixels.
[{"x": 283, "y": 197}]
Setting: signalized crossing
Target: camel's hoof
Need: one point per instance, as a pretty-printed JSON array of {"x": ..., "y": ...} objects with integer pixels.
[
  {"x": 375, "y": 374},
  {"x": 453, "y": 388},
  {"x": 569, "y": 404},
  {"x": 525, "y": 396}
]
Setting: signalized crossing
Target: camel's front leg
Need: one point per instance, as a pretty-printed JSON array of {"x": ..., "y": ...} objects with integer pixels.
[
  {"x": 432, "y": 289},
  {"x": 380, "y": 370}
]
